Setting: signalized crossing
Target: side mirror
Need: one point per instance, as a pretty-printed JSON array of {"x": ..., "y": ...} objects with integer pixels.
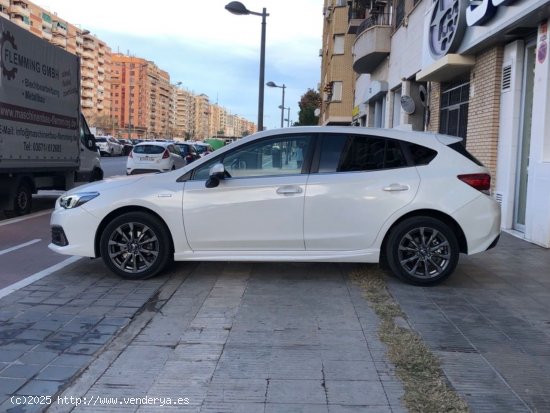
[{"x": 217, "y": 173}]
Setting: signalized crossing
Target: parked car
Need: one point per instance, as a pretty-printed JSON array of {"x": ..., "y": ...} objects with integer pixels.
[
  {"x": 413, "y": 200},
  {"x": 203, "y": 149},
  {"x": 154, "y": 157},
  {"x": 108, "y": 145},
  {"x": 127, "y": 146},
  {"x": 188, "y": 151}
]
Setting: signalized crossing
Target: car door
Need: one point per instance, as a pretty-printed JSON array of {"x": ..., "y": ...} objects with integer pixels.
[
  {"x": 360, "y": 181},
  {"x": 259, "y": 207}
]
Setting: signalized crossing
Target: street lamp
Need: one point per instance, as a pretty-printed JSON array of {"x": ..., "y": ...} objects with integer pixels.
[
  {"x": 282, "y": 107},
  {"x": 239, "y": 9},
  {"x": 288, "y": 116}
]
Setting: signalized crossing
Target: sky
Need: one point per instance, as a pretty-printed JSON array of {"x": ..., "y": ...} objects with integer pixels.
[{"x": 212, "y": 51}]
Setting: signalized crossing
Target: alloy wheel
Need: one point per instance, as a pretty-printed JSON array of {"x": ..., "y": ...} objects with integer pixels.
[
  {"x": 133, "y": 247},
  {"x": 424, "y": 252}
]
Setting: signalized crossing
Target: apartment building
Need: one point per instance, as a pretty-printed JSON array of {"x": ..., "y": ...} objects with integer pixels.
[
  {"x": 95, "y": 54},
  {"x": 476, "y": 70},
  {"x": 337, "y": 77},
  {"x": 185, "y": 113},
  {"x": 142, "y": 98},
  {"x": 202, "y": 117}
]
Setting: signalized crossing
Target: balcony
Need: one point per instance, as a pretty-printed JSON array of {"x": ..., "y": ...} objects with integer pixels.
[
  {"x": 87, "y": 103},
  {"x": 87, "y": 84},
  {"x": 87, "y": 55},
  {"x": 87, "y": 93},
  {"x": 59, "y": 41},
  {"x": 59, "y": 30},
  {"x": 373, "y": 43},
  {"x": 47, "y": 25},
  {"x": 100, "y": 78},
  {"x": 5, "y": 3},
  {"x": 100, "y": 60},
  {"x": 88, "y": 45},
  {"x": 46, "y": 35},
  {"x": 18, "y": 10},
  {"x": 88, "y": 65}
]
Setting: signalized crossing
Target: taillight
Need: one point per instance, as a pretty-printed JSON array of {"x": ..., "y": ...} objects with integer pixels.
[
  {"x": 189, "y": 158},
  {"x": 481, "y": 182},
  {"x": 166, "y": 154}
]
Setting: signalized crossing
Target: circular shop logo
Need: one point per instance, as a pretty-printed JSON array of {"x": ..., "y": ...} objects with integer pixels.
[
  {"x": 7, "y": 45},
  {"x": 447, "y": 27}
]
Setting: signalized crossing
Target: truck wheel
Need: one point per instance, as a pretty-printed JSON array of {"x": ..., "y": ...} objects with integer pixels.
[
  {"x": 22, "y": 202},
  {"x": 97, "y": 175},
  {"x": 135, "y": 246}
]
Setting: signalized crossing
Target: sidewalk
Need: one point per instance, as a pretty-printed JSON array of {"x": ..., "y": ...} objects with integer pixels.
[
  {"x": 490, "y": 326},
  {"x": 244, "y": 338}
]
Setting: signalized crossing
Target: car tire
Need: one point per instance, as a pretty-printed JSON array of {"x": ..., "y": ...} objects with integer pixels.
[
  {"x": 422, "y": 250},
  {"x": 22, "y": 201},
  {"x": 135, "y": 246},
  {"x": 97, "y": 175}
]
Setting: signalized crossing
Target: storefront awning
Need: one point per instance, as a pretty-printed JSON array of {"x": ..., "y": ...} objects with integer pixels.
[{"x": 446, "y": 68}]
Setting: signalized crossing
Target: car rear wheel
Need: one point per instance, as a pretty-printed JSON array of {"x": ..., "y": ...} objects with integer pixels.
[
  {"x": 135, "y": 246},
  {"x": 422, "y": 250}
]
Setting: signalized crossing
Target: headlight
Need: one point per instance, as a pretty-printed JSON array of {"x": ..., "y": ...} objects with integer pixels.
[{"x": 75, "y": 200}]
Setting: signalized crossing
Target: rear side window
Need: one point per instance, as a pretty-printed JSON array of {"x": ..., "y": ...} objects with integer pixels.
[
  {"x": 343, "y": 153},
  {"x": 100, "y": 140},
  {"x": 459, "y": 147},
  {"x": 420, "y": 154},
  {"x": 149, "y": 149},
  {"x": 184, "y": 149}
]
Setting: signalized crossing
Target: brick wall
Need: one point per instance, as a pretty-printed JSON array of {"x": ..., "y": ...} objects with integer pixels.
[
  {"x": 435, "y": 98},
  {"x": 484, "y": 108}
]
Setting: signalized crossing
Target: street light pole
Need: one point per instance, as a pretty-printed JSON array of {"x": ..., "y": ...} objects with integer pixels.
[
  {"x": 238, "y": 8},
  {"x": 282, "y": 107}
]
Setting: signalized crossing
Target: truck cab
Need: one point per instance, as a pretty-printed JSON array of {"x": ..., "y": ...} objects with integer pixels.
[{"x": 90, "y": 160}]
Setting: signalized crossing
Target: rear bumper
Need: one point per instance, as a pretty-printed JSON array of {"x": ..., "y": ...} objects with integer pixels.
[{"x": 480, "y": 222}]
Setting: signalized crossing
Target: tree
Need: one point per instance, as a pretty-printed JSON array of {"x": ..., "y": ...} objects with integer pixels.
[{"x": 309, "y": 101}]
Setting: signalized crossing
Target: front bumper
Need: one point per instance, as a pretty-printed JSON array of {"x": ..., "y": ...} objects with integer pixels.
[{"x": 78, "y": 227}]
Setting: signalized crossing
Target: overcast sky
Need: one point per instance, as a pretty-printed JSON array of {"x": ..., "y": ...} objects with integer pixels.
[{"x": 212, "y": 51}]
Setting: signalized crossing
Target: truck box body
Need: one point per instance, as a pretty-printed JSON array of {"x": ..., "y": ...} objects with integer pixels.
[
  {"x": 41, "y": 129},
  {"x": 40, "y": 100}
]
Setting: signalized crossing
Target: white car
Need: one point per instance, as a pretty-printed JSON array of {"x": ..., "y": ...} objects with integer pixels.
[
  {"x": 154, "y": 157},
  {"x": 339, "y": 194},
  {"x": 203, "y": 148},
  {"x": 108, "y": 145}
]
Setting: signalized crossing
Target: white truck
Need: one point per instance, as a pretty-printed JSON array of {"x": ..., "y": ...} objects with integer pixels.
[{"x": 45, "y": 142}]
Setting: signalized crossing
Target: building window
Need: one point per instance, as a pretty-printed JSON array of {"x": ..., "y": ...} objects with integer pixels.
[
  {"x": 339, "y": 44},
  {"x": 396, "y": 108},
  {"x": 399, "y": 12},
  {"x": 453, "y": 118},
  {"x": 336, "y": 91}
]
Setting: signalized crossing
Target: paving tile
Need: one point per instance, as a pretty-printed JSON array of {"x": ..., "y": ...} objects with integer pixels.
[
  {"x": 58, "y": 373},
  {"x": 9, "y": 385},
  {"x": 38, "y": 357},
  {"x": 348, "y": 392},
  {"x": 40, "y": 388},
  {"x": 295, "y": 408},
  {"x": 296, "y": 391},
  {"x": 21, "y": 371}
]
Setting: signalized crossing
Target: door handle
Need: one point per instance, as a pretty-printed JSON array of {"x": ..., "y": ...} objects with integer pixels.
[
  {"x": 396, "y": 188},
  {"x": 289, "y": 190}
]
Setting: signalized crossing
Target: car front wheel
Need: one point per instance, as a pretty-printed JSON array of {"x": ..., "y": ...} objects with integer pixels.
[
  {"x": 422, "y": 250},
  {"x": 135, "y": 246}
]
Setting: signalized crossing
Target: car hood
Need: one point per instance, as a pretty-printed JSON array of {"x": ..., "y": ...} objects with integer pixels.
[{"x": 108, "y": 184}]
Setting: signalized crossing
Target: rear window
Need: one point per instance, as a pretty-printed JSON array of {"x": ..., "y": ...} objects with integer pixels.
[
  {"x": 100, "y": 139},
  {"x": 459, "y": 147},
  {"x": 184, "y": 149},
  {"x": 149, "y": 149},
  {"x": 420, "y": 154}
]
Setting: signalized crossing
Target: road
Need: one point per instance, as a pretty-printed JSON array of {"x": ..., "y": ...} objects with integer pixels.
[{"x": 24, "y": 241}]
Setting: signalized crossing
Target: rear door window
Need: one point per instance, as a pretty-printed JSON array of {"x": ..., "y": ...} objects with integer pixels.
[{"x": 359, "y": 153}]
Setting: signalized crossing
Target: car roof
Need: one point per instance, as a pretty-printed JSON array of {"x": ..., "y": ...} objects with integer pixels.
[
  {"x": 164, "y": 144},
  {"x": 422, "y": 138}
]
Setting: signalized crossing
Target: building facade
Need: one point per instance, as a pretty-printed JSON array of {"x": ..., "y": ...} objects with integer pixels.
[
  {"x": 475, "y": 70},
  {"x": 337, "y": 77}
]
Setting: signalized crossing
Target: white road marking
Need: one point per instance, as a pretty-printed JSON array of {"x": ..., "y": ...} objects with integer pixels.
[
  {"x": 26, "y": 244},
  {"x": 14, "y": 220},
  {"x": 35, "y": 277}
]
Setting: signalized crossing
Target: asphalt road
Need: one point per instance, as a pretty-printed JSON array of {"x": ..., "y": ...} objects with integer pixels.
[{"x": 24, "y": 251}]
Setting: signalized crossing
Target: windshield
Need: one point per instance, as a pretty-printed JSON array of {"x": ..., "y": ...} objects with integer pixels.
[
  {"x": 149, "y": 149},
  {"x": 200, "y": 149}
]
